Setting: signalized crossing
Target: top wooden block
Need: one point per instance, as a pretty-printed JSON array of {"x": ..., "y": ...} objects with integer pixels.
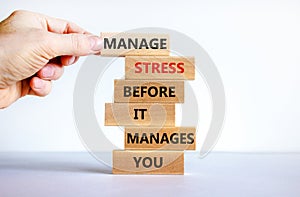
[{"x": 137, "y": 44}]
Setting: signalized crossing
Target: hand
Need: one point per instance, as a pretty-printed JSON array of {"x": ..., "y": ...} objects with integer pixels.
[{"x": 33, "y": 50}]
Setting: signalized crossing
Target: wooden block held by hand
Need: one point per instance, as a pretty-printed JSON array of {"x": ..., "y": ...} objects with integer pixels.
[
  {"x": 156, "y": 138},
  {"x": 125, "y": 43},
  {"x": 135, "y": 114},
  {"x": 159, "y": 67},
  {"x": 142, "y": 91},
  {"x": 148, "y": 162}
]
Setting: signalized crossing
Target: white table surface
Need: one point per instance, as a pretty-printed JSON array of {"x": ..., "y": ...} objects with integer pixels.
[{"x": 218, "y": 174}]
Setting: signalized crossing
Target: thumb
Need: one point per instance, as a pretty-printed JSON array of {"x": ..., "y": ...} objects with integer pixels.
[{"x": 74, "y": 44}]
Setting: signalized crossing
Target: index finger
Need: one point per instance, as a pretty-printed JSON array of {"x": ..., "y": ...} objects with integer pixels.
[
  {"x": 61, "y": 26},
  {"x": 38, "y": 20}
]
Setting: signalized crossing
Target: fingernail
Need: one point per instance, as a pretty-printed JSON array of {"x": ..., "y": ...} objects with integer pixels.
[
  {"x": 38, "y": 84},
  {"x": 96, "y": 43},
  {"x": 71, "y": 60},
  {"x": 48, "y": 72}
]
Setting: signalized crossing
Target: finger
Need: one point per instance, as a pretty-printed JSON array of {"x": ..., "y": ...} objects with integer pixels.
[
  {"x": 76, "y": 59},
  {"x": 51, "y": 71},
  {"x": 68, "y": 60},
  {"x": 40, "y": 87},
  {"x": 62, "y": 26},
  {"x": 38, "y": 20},
  {"x": 73, "y": 44}
]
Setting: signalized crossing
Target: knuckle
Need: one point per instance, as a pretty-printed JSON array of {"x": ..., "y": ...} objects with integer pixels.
[
  {"x": 58, "y": 72},
  {"x": 18, "y": 13},
  {"x": 45, "y": 44},
  {"x": 76, "y": 44}
]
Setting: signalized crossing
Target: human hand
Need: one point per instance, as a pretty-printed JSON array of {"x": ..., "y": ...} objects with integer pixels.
[{"x": 33, "y": 50}]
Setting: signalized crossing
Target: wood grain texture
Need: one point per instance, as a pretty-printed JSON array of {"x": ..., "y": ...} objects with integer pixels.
[
  {"x": 126, "y": 51},
  {"x": 148, "y": 162},
  {"x": 158, "y": 91},
  {"x": 159, "y": 67},
  {"x": 123, "y": 114},
  {"x": 155, "y": 138}
]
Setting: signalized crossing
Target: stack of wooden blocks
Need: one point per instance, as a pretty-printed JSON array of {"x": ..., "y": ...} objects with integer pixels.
[{"x": 145, "y": 104}]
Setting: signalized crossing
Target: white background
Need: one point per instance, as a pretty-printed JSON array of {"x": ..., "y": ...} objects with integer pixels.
[{"x": 255, "y": 45}]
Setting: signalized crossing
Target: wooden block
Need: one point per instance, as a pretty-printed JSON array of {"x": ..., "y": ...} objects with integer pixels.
[
  {"x": 135, "y": 114},
  {"x": 159, "y": 67},
  {"x": 142, "y": 91},
  {"x": 124, "y": 44},
  {"x": 166, "y": 138},
  {"x": 148, "y": 162}
]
